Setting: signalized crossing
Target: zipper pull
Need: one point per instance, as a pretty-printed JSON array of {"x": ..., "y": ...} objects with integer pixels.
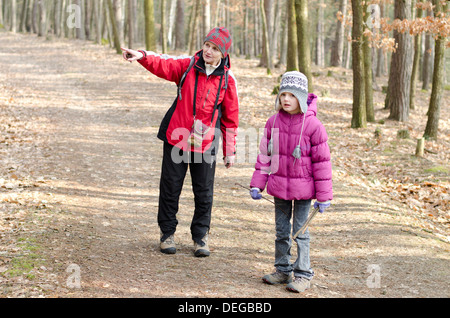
[{"x": 207, "y": 94}]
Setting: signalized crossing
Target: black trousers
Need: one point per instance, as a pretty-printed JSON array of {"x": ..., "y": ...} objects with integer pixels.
[{"x": 174, "y": 167}]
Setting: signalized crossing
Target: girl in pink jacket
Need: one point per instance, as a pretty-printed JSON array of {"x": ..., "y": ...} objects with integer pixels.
[{"x": 294, "y": 164}]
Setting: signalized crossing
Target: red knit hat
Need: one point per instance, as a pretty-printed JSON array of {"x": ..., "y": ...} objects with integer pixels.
[{"x": 220, "y": 36}]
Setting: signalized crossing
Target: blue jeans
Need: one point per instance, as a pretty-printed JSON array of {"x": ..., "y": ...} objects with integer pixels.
[{"x": 283, "y": 241}]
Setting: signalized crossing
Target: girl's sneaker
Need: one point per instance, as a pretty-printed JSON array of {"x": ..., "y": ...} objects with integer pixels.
[
  {"x": 300, "y": 284},
  {"x": 277, "y": 278}
]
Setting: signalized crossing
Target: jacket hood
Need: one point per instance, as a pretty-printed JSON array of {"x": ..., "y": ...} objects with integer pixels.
[{"x": 312, "y": 104}]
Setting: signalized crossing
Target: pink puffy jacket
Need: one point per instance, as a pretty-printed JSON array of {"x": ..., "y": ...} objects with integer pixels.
[{"x": 288, "y": 178}]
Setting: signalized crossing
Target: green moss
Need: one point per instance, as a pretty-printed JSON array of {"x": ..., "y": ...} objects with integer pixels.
[
  {"x": 23, "y": 264},
  {"x": 438, "y": 169}
]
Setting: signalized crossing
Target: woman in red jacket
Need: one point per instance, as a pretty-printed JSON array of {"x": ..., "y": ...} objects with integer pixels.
[{"x": 205, "y": 109}]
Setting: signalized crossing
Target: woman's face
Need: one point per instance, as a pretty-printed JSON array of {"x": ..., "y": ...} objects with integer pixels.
[
  {"x": 289, "y": 103},
  {"x": 211, "y": 53}
]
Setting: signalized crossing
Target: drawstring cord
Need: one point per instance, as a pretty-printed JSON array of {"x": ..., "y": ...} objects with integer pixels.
[
  {"x": 297, "y": 151},
  {"x": 297, "y": 154}
]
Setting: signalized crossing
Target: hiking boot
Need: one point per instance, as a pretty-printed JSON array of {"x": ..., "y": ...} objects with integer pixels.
[
  {"x": 300, "y": 284},
  {"x": 202, "y": 251},
  {"x": 277, "y": 278},
  {"x": 168, "y": 246}
]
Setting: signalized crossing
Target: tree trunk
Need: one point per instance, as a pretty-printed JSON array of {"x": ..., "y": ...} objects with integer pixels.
[
  {"x": 107, "y": 28},
  {"x": 426, "y": 64},
  {"x": 193, "y": 26},
  {"x": 368, "y": 81},
  {"x": 1, "y": 12},
  {"x": 256, "y": 29},
  {"x": 359, "y": 107},
  {"x": 292, "y": 57},
  {"x": 215, "y": 21},
  {"x": 338, "y": 45},
  {"x": 98, "y": 21},
  {"x": 179, "y": 26},
  {"x": 112, "y": 16},
  {"x": 131, "y": 23},
  {"x": 227, "y": 12},
  {"x": 266, "y": 35},
  {"x": 172, "y": 14},
  {"x": 415, "y": 67},
  {"x": 30, "y": 4},
  {"x": 348, "y": 51},
  {"x": 34, "y": 17},
  {"x": 380, "y": 53},
  {"x": 87, "y": 18},
  {"x": 266, "y": 13},
  {"x": 400, "y": 73},
  {"x": 245, "y": 39},
  {"x": 303, "y": 35},
  {"x": 13, "y": 15},
  {"x": 80, "y": 31},
  {"x": 163, "y": 26},
  {"x": 57, "y": 18},
  {"x": 150, "y": 39},
  {"x": 320, "y": 49},
  {"x": 42, "y": 24},
  {"x": 23, "y": 16},
  {"x": 118, "y": 16},
  {"x": 64, "y": 28},
  {"x": 274, "y": 33},
  {"x": 431, "y": 130},
  {"x": 284, "y": 36},
  {"x": 206, "y": 16}
]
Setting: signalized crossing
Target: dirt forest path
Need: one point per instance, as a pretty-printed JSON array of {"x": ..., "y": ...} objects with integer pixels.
[{"x": 80, "y": 179}]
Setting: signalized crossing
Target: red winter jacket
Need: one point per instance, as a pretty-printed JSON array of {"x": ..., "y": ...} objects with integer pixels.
[{"x": 177, "y": 125}]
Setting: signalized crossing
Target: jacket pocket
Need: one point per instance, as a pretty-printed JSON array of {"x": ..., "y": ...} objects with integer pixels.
[
  {"x": 307, "y": 167},
  {"x": 304, "y": 168}
]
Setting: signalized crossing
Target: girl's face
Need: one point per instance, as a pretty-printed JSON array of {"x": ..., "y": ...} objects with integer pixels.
[
  {"x": 289, "y": 103},
  {"x": 211, "y": 53}
]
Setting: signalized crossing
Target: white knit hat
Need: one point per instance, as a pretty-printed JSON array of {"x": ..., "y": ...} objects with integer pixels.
[{"x": 295, "y": 83}]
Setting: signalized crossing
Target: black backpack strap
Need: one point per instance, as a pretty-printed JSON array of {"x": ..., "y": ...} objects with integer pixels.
[
  {"x": 226, "y": 76},
  {"x": 184, "y": 77},
  {"x": 217, "y": 99},
  {"x": 226, "y": 80}
]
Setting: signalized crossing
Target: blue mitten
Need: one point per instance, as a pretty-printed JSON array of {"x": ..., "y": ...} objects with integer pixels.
[
  {"x": 322, "y": 205},
  {"x": 255, "y": 193}
]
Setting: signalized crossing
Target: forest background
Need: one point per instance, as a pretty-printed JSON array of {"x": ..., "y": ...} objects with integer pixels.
[
  {"x": 389, "y": 52},
  {"x": 404, "y": 39}
]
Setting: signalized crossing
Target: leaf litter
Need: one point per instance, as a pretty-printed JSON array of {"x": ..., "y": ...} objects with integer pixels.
[{"x": 60, "y": 209}]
